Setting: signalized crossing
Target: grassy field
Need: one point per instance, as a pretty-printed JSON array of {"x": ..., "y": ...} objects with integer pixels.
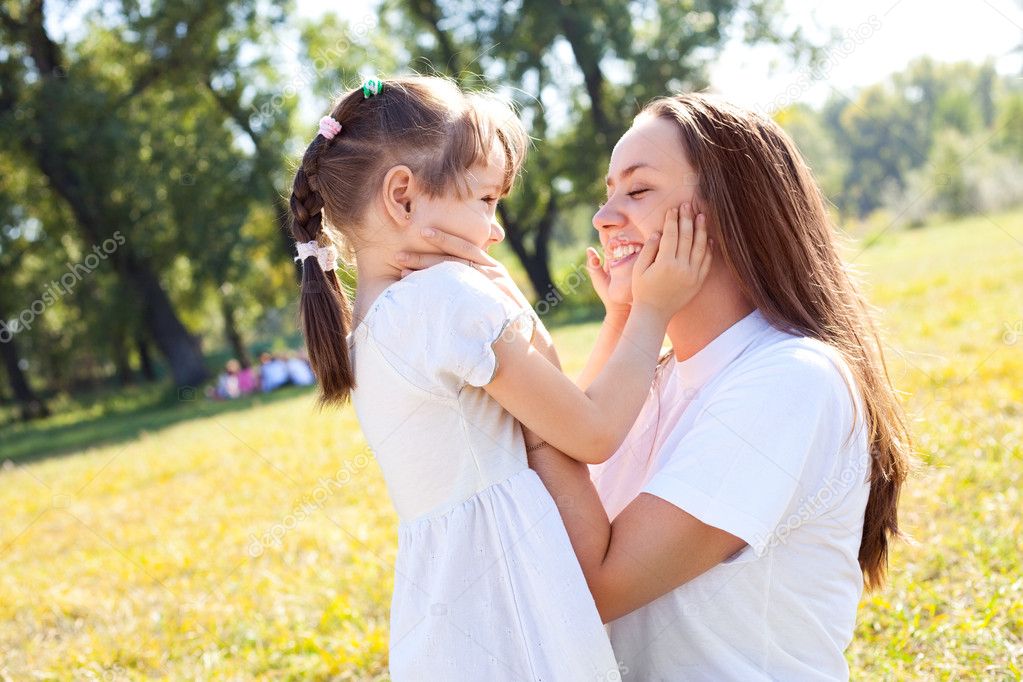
[{"x": 222, "y": 543}]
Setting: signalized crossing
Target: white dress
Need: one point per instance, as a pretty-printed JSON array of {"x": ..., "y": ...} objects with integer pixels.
[{"x": 486, "y": 584}]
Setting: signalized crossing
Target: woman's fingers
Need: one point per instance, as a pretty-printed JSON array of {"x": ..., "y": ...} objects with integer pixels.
[
  {"x": 416, "y": 260},
  {"x": 456, "y": 246},
  {"x": 670, "y": 235}
]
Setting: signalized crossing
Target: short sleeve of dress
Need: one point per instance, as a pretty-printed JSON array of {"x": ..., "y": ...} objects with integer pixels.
[
  {"x": 755, "y": 446},
  {"x": 441, "y": 324}
]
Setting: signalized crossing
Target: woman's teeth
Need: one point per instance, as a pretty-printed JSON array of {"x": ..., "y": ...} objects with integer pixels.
[{"x": 621, "y": 251}]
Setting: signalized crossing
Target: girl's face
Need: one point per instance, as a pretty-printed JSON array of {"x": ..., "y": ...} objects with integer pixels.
[
  {"x": 472, "y": 217},
  {"x": 648, "y": 174}
]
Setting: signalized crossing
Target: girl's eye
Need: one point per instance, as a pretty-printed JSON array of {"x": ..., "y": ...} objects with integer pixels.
[
  {"x": 490, "y": 200},
  {"x": 636, "y": 192}
]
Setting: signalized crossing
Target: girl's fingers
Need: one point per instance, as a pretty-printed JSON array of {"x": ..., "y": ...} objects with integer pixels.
[
  {"x": 647, "y": 254},
  {"x": 669, "y": 240},
  {"x": 685, "y": 233},
  {"x": 699, "y": 243},
  {"x": 598, "y": 273},
  {"x": 705, "y": 266},
  {"x": 456, "y": 246}
]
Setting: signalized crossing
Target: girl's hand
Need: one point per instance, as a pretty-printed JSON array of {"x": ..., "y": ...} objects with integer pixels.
[
  {"x": 601, "y": 280},
  {"x": 671, "y": 267},
  {"x": 457, "y": 249}
]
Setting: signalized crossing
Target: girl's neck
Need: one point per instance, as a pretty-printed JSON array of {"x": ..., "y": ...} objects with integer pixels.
[{"x": 374, "y": 273}]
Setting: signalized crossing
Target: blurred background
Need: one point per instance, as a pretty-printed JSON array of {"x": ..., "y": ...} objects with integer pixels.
[{"x": 174, "y": 507}]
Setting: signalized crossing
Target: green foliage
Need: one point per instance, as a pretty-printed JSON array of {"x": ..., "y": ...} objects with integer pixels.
[{"x": 919, "y": 143}]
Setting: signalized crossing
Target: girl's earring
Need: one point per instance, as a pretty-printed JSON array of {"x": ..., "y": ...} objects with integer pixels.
[{"x": 408, "y": 216}]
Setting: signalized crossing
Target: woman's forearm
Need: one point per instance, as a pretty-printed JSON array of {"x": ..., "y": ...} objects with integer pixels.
[
  {"x": 607, "y": 339},
  {"x": 568, "y": 482}
]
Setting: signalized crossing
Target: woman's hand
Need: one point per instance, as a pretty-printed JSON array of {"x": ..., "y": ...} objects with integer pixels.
[
  {"x": 672, "y": 265},
  {"x": 459, "y": 250}
]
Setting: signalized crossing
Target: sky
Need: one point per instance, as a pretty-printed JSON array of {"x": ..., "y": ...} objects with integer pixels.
[{"x": 881, "y": 37}]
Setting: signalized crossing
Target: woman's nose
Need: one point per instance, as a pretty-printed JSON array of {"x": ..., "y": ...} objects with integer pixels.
[{"x": 606, "y": 217}]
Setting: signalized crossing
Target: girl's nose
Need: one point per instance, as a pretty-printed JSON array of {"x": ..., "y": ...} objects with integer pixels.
[{"x": 496, "y": 233}]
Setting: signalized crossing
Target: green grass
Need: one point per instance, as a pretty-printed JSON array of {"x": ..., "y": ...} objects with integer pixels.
[{"x": 141, "y": 556}]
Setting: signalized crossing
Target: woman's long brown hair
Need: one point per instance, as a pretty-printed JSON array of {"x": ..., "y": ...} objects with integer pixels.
[
  {"x": 424, "y": 122},
  {"x": 776, "y": 236}
]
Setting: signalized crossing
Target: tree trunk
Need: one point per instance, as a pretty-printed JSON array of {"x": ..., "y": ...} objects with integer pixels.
[
  {"x": 180, "y": 348},
  {"x": 536, "y": 263},
  {"x": 120, "y": 351},
  {"x": 145, "y": 357},
  {"x": 234, "y": 337},
  {"x": 32, "y": 407},
  {"x": 159, "y": 318},
  {"x": 587, "y": 58}
]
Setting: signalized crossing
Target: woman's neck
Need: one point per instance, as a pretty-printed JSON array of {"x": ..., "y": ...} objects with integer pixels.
[{"x": 716, "y": 308}]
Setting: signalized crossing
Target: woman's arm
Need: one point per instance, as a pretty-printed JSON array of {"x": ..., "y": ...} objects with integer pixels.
[{"x": 649, "y": 549}]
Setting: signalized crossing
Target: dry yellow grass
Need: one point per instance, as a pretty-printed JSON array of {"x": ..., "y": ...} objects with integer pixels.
[{"x": 259, "y": 544}]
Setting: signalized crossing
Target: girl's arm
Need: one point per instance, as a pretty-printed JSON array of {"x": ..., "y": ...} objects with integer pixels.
[
  {"x": 607, "y": 339},
  {"x": 615, "y": 316},
  {"x": 590, "y": 425}
]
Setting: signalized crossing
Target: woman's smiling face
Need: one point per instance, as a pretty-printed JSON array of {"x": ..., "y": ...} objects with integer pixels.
[{"x": 648, "y": 174}]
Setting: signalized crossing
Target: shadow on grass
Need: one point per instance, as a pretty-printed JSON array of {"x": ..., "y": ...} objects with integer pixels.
[{"x": 119, "y": 420}]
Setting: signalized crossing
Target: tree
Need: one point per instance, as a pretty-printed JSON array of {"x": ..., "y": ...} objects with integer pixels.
[{"x": 577, "y": 108}]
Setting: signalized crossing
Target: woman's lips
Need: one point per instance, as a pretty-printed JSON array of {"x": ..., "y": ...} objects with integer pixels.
[
  {"x": 623, "y": 261},
  {"x": 620, "y": 253}
]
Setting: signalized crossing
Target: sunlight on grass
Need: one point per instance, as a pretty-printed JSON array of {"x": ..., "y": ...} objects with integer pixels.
[{"x": 259, "y": 543}]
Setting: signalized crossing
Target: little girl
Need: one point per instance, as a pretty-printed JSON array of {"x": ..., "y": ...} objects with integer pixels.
[{"x": 442, "y": 367}]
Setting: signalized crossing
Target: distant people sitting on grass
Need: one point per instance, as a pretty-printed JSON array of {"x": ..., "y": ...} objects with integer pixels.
[
  {"x": 299, "y": 371},
  {"x": 273, "y": 371},
  {"x": 234, "y": 382}
]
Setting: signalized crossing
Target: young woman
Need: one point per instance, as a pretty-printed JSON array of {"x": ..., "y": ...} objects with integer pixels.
[{"x": 730, "y": 536}]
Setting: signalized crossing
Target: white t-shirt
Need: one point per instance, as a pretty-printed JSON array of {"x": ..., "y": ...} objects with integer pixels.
[{"x": 754, "y": 436}]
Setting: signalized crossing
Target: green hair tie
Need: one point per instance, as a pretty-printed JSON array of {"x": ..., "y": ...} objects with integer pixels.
[{"x": 372, "y": 87}]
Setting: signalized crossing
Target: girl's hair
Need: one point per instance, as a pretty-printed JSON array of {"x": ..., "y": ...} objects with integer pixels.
[
  {"x": 777, "y": 238},
  {"x": 426, "y": 123}
]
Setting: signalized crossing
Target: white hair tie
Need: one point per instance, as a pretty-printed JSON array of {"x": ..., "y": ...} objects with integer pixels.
[{"x": 326, "y": 256}]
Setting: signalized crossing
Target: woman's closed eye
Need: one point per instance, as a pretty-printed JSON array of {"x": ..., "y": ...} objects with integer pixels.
[{"x": 636, "y": 193}]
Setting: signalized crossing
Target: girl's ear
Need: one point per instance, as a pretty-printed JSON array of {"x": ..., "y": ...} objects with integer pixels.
[{"x": 399, "y": 191}]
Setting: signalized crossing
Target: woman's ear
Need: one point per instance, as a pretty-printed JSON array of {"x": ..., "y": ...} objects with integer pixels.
[{"x": 399, "y": 191}]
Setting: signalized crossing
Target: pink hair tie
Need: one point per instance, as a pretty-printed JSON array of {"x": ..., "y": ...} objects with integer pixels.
[{"x": 329, "y": 127}]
